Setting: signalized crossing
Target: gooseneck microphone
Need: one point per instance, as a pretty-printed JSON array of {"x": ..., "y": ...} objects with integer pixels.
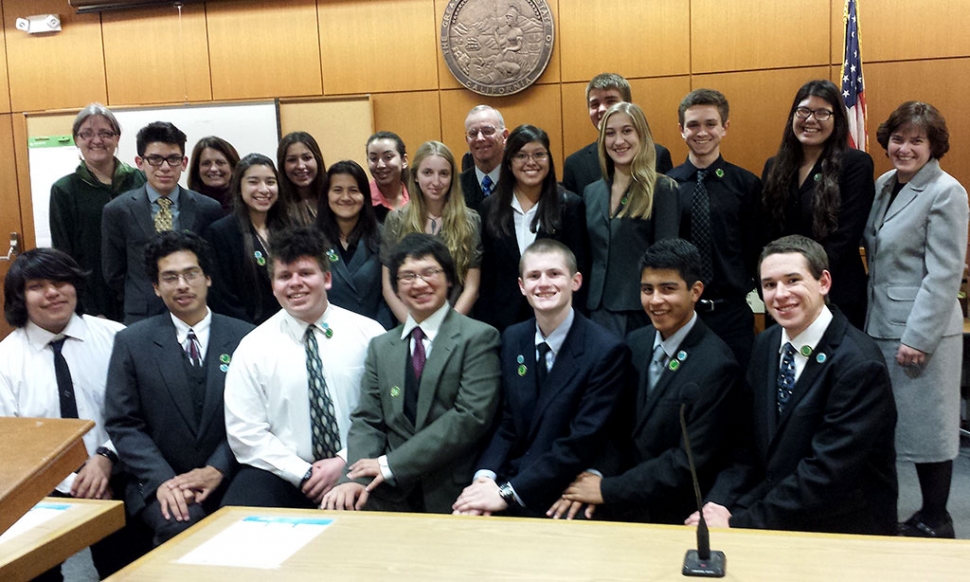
[{"x": 702, "y": 561}]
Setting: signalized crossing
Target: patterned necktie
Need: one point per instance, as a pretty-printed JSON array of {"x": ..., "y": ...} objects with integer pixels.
[
  {"x": 656, "y": 366},
  {"x": 542, "y": 366},
  {"x": 163, "y": 218},
  {"x": 65, "y": 385},
  {"x": 786, "y": 377},
  {"x": 418, "y": 357},
  {"x": 700, "y": 226},
  {"x": 323, "y": 417},
  {"x": 487, "y": 186},
  {"x": 192, "y": 349}
]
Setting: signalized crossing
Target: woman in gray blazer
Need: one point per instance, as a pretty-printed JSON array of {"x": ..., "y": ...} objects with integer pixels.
[{"x": 916, "y": 244}]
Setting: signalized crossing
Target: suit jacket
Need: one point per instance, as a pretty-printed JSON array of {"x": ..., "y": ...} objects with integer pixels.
[
  {"x": 471, "y": 189},
  {"x": 582, "y": 167},
  {"x": 916, "y": 251},
  {"x": 655, "y": 484},
  {"x": 546, "y": 437},
  {"x": 126, "y": 228},
  {"x": 828, "y": 463},
  {"x": 457, "y": 400},
  {"x": 357, "y": 285},
  {"x": 233, "y": 291},
  {"x": 149, "y": 409},
  {"x": 500, "y": 302}
]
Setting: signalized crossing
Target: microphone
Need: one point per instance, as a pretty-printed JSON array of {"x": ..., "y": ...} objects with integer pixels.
[{"x": 702, "y": 561}]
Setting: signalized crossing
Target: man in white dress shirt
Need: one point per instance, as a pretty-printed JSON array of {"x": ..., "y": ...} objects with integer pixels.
[{"x": 293, "y": 383}]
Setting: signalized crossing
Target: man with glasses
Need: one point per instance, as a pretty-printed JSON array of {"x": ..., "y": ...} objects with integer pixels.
[
  {"x": 161, "y": 204},
  {"x": 429, "y": 393},
  {"x": 163, "y": 403},
  {"x": 485, "y": 133}
]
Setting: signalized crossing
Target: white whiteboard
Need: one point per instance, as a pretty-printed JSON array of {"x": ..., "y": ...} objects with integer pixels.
[{"x": 250, "y": 127}]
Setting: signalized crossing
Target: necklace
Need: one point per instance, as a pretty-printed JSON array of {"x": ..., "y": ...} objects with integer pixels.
[{"x": 435, "y": 225}]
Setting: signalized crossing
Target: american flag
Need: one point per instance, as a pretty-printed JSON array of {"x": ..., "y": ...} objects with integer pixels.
[{"x": 853, "y": 87}]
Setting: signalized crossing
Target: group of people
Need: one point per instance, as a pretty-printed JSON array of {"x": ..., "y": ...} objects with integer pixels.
[{"x": 546, "y": 340}]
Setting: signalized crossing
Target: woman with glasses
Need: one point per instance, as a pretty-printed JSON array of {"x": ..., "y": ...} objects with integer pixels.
[
  {"x": 387, "y": 160},
  {"x": 437, "y": 207},
  {"x": 346, "y": 217},
  {"x": 527, "y": 205},
  {"x": 210, "y": 169},
  {"x": 241, "y": 285},
  {"x": 78, "y": 199},
  {"x": 303, "y": 179},
  {"x": 818, "y": 187}
]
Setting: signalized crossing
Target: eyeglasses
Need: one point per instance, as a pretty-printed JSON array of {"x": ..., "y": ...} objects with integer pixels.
[
  {"x": 156, "y": 161},
  {"x": 820, "y": 114},
  {"x": 485, "y": 130},
  {"x": 428, "y": 275},
  {"x": 538, "y": 157},
  {"x": 89, "y": 134},
  {"x": 189, "y": 276}
]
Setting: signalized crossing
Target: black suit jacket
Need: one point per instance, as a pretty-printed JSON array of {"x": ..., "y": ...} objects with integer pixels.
[
  {"x": 126, "y": 227},
  {"x": 233, "y": 291},
  {"x": 655, "y": 484},
  {"x": 582, "y": 167},
  {"x": 471, "y": 189},
  {"x": 149, "y": 411},
  {"x": 545, "y": 439},
  {"x": 828, "y": 463},
  {"x": 357, "y": 284}
]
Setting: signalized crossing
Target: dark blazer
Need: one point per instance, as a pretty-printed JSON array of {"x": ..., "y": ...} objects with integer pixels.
[
  {"x": 357, "y": 284},
  {"x": 828, "y": 464},
  {"x": 457, "y": 399},
  {"x": 126, "y": 227},
  {"x": 471, "y": 189},
  {"x": 233, "y": 291},
  {"x": 655, "y": 484},
  {"x": 149, "y": 411},
  {"x": 545, "y": 438},
  {"x": 582, "y": 167},
  {"x": 616, "y": 245},
  {"x": 500, "y": 302}
]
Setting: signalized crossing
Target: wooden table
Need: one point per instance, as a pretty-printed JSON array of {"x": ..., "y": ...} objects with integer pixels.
[
  {"x": 47, "y": 544},
  {"x": 404, "y": 547}
]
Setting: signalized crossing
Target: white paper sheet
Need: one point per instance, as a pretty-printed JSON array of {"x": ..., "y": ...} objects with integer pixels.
[
  {"x": 257, "y": 542},
  {"x": 37, "y": 515}
]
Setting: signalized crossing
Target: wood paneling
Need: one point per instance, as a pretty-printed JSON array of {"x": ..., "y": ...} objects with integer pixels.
[
  {"x": 156, "y": 56},
  {"x": 55, "y": 70},
  {"x": 753, "y": 34},
  {"x": 379, "y": 45},
  {"x": 415, "y": 117},
  {"x": 4, "y": 82},
  {"x": 340, "y": 125},
  {"x": 263, "y": 49},
  {"x": 10, "y": 220},
  {"x": 635, "y": 38}
]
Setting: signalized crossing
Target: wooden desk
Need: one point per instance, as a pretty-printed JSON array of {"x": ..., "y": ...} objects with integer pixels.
[
  {"x": 47, "y": 544},
  {"x": 403, "y": 547}
]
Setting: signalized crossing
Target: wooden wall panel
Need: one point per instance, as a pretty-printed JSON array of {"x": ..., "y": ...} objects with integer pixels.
[
  {"x": 56, "y": 70},
  {"x": 9, "y": 201},
  {"x": 635, "y": 38},
  {"x": 171, "y": 64},
  {"x": 4, "y": 80},
  {"x": 753, "y": 34},
  {"x": 263, "y": 49},
  {"x": 416, "y": 117},
  {"x": 380, "y": 45},
  {"x": 339, "y": 125}
]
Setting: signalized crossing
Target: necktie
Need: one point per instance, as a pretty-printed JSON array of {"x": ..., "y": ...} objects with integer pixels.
[
  {"x": 542, "y": 367},
  {"x": 65, "y": 385},
  {"x": 656, "y": 366},
  {"x": 192, "y": 349},
  {"x": 163, "y": 218},
  {"x": 487, "y": 186},
  {"x": 786, "y": 376},
  {"x": 323, "y": 417},
  {"x": 700, "y": 226},
  {"x": 418, "y": 358}
]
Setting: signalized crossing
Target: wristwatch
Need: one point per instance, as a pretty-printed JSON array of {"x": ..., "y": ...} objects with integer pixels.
[
  {"x": 507, "y": 494},
  {"x": 309, "y": 473},
  {"x": 107, "y": 454}
]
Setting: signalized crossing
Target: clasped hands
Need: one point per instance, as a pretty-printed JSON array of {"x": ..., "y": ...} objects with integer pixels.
[
  {"x": 178, "y": 493},
  {"x": 353, "y": 495}
]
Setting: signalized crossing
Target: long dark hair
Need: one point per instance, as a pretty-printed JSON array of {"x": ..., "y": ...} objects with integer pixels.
[
  {"x": 785, "y": 167},
  {"x": 318, "y": 187},
  {"x": 366, "y": 229},
  {"x": 548, "y": 213}
]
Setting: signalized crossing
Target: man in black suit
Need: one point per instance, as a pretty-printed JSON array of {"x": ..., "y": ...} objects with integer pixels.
[
  {"x": 132, "y": 218},
  {"x": 163, "y": 402},
  {"x": 679, "y": 361},
  {"x": 822, "y": 456},
  {"x": 582, "y": 167},
  {"x": 561, "y": 376},
  {"x": 485, "y": 133}
]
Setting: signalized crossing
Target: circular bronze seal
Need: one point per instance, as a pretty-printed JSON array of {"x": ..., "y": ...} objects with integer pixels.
[{"x": 497, "y": 48}]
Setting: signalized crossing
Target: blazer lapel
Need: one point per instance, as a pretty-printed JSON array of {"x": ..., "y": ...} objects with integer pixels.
[
  {"x": 187, "y": 210},
  {"x": 765, "y": 399},
  {"x": 344, "y": 268},
  {"x": 141, "y": 211},
  {"x": 168, "y": 356},
  {"x": 215, "y": 377},
  {"x": 393, "y": 369},
  {"x": 683, "y": 356},
  {"x": 444, "y": 345},
  {"x": 563, "y": 370}
]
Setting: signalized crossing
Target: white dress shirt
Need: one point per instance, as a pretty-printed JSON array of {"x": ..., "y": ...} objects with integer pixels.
[
  {"x": 809, "y": 339},
  {"x": 522, "y": 221},
  {"x": 28, "y": 384},
  {"x": 201, "y": 330},
  {"x": 267, "y": 401}
]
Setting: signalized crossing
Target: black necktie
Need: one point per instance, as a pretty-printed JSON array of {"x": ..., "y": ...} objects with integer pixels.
[
  {"x": 700, "y": 226},
  {"x": 542, "y": 368},
  {"x": 786, "y": 377},
  {"x": 65, "y": 385}
]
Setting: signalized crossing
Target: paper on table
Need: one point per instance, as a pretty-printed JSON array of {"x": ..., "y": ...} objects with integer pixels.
[
  {"x": 257, "y": 542},
  {"x": 37, "y": 515}
]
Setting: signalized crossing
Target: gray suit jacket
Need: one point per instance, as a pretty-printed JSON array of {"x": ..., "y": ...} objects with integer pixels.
[
  {"x": 126, "y": 228},
  {"x": 916, "y": 250}
]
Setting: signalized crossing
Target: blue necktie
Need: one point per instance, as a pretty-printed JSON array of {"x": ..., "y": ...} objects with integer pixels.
[
  {"x": 786, "y": 377},
  {"x": 487, "y": 186}
]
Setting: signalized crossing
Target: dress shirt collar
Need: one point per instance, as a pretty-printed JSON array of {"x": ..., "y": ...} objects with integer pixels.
[
  {"x": 154, "y": 195},
  {"x": 39, "y": 337},
  {"x": 558, "y": 336},
  {"x": 480, "y": 175},
  {"x": 201, "y": 329},
  {"x": 811, "y": 336},
  {"x": 429, "y": 326},
  {"x": 716, "y": 165},
  {"x": 672, "y": 343},
  {"x": 297, "y": 327}
]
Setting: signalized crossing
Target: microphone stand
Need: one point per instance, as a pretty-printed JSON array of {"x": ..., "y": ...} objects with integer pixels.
[{"x": 702, "y": 561}]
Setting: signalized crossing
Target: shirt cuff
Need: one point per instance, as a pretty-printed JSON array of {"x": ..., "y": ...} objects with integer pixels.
[
  {"x": 342, "y": 453},
  {"x": 386, "y": 470},
  {"x": 594, "y": 472},
  {"x": 485, "y": 473}
]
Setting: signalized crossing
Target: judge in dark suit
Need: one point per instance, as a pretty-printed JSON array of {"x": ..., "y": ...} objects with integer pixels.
[
  {"x": 679, "y": 362},
  {"x": 822, "y": 456},
  {"x": 429, "y": 393},
  {"x": 163, "y": 402},
  {"x": 132, "y": 218},
  {"x": 562, "y": 376},
  {"x": 582, "y": 167},
  {"x": 485, "y": 133}
]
